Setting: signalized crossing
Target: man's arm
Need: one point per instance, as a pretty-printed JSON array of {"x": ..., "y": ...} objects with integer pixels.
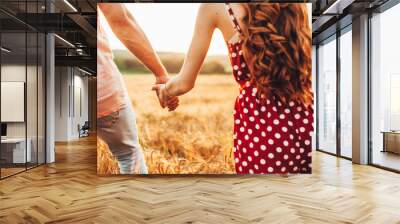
[{"x": 132, "y": 36}]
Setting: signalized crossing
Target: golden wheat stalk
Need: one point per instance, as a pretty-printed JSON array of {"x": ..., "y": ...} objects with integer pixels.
[{"x": 106, "y": 162}]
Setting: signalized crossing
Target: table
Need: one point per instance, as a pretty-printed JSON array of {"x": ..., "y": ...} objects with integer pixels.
[
  {"x": 13, "y": 150},
  {"x": 391, "y": 141}
]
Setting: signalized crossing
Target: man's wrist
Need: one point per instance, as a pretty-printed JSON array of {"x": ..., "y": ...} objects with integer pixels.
[
  {"x": 161, "y": 74},
  {"x": 162, "y": 79}
]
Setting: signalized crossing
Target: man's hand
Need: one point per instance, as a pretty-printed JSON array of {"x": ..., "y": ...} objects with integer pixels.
[
  {"x": 162, "y": 79},
  {"x": 172, "y": 102}
]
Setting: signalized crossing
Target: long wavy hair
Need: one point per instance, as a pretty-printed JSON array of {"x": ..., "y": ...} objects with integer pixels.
[{"x": 277, "y": 49}]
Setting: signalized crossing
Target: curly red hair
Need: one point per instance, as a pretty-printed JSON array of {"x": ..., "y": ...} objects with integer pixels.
[{"x": 277, "y": 49}]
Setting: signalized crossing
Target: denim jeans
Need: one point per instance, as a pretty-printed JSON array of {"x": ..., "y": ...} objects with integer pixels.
[{"x": 119, "y": 131}]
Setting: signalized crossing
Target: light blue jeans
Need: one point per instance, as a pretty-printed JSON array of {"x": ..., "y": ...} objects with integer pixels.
[{"x": 119, "y": 131}]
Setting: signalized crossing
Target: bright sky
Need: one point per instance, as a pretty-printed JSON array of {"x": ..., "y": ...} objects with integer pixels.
[{"x": 169, "y": 27}]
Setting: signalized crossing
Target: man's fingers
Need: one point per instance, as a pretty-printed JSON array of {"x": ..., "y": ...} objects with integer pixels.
[
  {"x": 155, "y": 87},
  {"x": 162, "y": 101}
]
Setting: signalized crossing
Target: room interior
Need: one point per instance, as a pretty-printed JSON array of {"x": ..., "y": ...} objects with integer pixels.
[
  {"x": 46, "y": 82},
  {"x": 22, "y": 102},
  {"x": 336, "y": 80}
]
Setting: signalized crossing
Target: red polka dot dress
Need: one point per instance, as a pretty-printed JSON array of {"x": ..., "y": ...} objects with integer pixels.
[{"x": 270, "y": 137}]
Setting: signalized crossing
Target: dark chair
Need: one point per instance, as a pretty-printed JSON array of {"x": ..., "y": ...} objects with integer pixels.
[{"x": 84, "y": 130}]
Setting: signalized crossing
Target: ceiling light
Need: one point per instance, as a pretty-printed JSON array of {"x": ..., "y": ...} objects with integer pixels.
[
  {"x": 84, "y": 71},
  {"x": 64, "y": 40},
  {"x": 70, "y": 5},
  {"x": 337, "y": 7},
  {"x": 5, "y": 50}
]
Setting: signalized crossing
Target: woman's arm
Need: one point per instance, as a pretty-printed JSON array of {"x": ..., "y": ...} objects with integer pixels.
[{"x": 204, "y": 28}]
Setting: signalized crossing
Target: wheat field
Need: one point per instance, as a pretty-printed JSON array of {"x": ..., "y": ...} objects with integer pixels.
[{"x": 194, "y": 139}]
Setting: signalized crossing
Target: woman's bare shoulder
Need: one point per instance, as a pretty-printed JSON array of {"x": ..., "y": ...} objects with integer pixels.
[{"x": 212, "y": 8}]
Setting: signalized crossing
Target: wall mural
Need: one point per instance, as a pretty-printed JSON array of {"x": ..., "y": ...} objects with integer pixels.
[{"x": 225, "y": 92}]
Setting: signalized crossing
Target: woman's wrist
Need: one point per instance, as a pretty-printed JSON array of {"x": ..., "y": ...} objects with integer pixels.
[{"x": 166, "y": 92}]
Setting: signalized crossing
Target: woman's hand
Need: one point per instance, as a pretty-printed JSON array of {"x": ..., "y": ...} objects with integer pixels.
[{"x": 172, "y": 102}]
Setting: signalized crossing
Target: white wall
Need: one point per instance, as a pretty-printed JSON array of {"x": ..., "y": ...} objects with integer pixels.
[
  {"x": 61, "y": 103},
  {"x": 71, "y": 94},
  {"x": 14, "y": 73}
]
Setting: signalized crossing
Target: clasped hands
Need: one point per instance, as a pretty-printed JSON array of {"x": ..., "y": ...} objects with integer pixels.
[{"x": 166, "y": 100}]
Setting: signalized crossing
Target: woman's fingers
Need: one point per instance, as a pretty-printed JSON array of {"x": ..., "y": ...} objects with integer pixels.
[
  {"x": 173, "y": 105},
  {"x": 173, "y": 100},
  {"x": 172, "y": 108}
]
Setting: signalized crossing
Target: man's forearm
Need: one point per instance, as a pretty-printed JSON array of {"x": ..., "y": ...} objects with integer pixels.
[
  {"x": 136, "y": 41},
  {"x": 132, "y": 36}
]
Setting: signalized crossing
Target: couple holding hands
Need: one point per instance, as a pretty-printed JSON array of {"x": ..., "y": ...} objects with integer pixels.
[{"x": 270, "y": 52}]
